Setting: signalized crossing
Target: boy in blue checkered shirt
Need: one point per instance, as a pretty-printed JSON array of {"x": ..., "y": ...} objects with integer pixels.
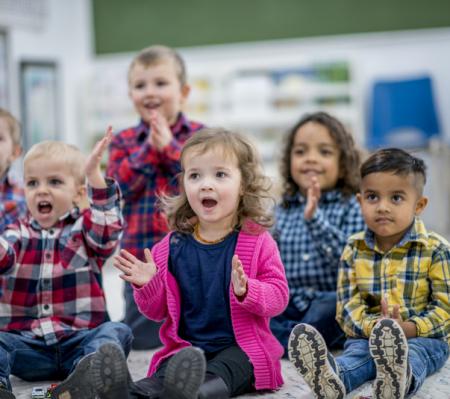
[{"x": 318, "y": 213}]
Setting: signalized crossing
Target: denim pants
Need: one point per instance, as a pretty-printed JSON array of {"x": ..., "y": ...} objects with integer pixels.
[
  {"x": 321, "y": 314},
  {"x": 356, "y": 366},
  {"x": 32, "y": 359}
]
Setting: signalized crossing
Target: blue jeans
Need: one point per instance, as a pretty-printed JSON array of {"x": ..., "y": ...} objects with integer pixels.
[
  {"x": 356, "y": 366},
  {"x": 32, "y": 359},
  {"x": 321, "y": 314}
]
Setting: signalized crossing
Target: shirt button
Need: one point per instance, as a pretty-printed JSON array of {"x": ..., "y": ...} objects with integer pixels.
[
  {"x": 51, "y": 231},
  {"x": 48, "y": 256},
  {"x": 46, "y": 307},
  {"x": 305, "y": 257}
]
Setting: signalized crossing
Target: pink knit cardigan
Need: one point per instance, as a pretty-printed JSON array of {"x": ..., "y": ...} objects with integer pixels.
[{"x": 267, "y": 296}]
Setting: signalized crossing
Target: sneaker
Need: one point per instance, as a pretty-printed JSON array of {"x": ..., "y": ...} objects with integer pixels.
[
  {"x": 184, "y": 374},
  {"x": 5, "y": 393},
  {"x": 389, "y": 349},
  {"x": 77, "y": 384},
  {"x": 309, "y": 354}
]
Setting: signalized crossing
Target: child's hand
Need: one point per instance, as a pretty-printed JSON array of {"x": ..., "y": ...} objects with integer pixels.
[
  {"x": 160, "y": 134},
  {"x": 238, "y": 277},
  {"x": 93, "y": 172},
  {"x": 134, "y": 271},
  {"x": 312, "y": 198},
  {"x": 408, "y": 327}
]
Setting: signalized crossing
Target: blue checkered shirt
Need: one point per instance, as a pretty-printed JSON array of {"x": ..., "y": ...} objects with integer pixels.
[{"x": 310, "y": 250}]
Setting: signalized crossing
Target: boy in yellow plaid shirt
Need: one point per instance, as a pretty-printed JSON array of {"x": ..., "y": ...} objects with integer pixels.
[{"x": 393, "y": 292}]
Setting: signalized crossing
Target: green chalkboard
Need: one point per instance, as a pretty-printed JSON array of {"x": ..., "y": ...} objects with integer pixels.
[{"x": 122, "y": 26}]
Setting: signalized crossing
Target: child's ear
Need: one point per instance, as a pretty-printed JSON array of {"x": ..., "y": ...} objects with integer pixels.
[
  {"x": 185, "y": 91},
  {"x": 359, "y": 198},
  {"x": 80, "y": 198},
  {"x": 17, "y": 150},
  {"x": 421, "y": 205}
]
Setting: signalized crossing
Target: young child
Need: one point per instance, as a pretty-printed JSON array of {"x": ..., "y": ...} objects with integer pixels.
[
  {"x": 12, "y": 200},
  {"x": 52, "y": 309},
  {"x": 145, "y": 160},
  {"x": 318, "y": 212},
  {"x": 393, "y": 292},
  {"x": 215, "y": 279}
]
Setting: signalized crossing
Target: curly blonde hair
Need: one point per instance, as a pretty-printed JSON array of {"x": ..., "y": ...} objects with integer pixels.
[{"x": 256, "y": 202}]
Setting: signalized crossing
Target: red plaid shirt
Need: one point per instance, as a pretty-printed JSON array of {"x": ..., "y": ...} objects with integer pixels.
[
  {"x": 51, "y": 279},
  {"x": 12, "y": 202},
  {"x": 144, "y": 173}
]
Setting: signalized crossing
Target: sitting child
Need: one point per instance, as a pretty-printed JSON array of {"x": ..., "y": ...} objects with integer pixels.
[
  {"x": 52, "y": 309},
  {"x": 12, "y": 200},
  {"x": 393, "y": 292},
  {"x": 215, "y": 280}
]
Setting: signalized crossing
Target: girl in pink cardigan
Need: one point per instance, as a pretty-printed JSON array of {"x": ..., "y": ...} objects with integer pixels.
[{"x": 216, "y": 279}]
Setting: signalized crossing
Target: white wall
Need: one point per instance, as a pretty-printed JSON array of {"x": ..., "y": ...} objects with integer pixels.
[{"x": 66, "y": 39}]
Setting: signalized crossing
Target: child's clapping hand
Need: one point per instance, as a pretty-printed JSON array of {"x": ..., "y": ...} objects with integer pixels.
[
  {"x": 160, "y": 134},
  {"x": 93, "y": 172},
  {"x": 238, "y": 278},
  {"x": 135, "y": 271},
  {"x": 312, "y": 198}
]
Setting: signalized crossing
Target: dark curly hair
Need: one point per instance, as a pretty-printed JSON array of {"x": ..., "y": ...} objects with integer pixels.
[{"x": 349, "y": 160}]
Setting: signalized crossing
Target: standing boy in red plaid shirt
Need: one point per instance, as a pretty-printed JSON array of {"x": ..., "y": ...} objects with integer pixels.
[
  {"x": 145, "y": 161},
  {"x": 12, "y": 200},
  {"x": 52, "y": 308}
]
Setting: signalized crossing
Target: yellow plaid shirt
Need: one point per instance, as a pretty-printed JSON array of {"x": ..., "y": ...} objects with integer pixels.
[{"x": 414, "y": 274}]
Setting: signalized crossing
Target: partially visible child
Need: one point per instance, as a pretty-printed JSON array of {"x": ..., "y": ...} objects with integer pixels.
[
  {"x": 52, "y": 309},
  {"x": 145, "y": 161},
  {"x": 318, "y": 212},
  {"x": 393, "y": 292},
  {"x": 12, "y": 200},
  {"x": 216, "y": 279}
]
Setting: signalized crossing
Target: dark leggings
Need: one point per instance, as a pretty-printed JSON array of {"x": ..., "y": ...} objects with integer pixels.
[{"x": 230, "y": 364}]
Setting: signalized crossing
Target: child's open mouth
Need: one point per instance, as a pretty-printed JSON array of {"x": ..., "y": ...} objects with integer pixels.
[
  {"x": 209, "y": 203},
  {"x": 44, "y": 207}
]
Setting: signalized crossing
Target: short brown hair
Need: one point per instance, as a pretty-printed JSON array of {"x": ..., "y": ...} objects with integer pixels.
[
  {"x": 256, "y": 199},
  {"x": 68, "y": 154},
  {"x": 14, "y": 126},
  {"x": 155, "y": 54}
]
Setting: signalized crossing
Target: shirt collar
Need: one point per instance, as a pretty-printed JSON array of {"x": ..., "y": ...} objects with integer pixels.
[
  {"x": 67, "y": 218},
  {"x": 416, "y": 233},
  {"x": 142, "y": 130}
]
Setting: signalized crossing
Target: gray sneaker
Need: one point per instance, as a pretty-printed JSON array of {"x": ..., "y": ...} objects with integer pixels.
[
  {"x": 78, "y": 383},
  {"x": 184, "y": 374},
  {"x": 389, "y": 349},
  {"x": 109, "y": 373},
  {"x": 309, "y": 354}
]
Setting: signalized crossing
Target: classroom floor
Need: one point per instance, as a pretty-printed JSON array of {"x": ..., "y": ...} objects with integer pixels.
[{"x": 435, "y": 387}]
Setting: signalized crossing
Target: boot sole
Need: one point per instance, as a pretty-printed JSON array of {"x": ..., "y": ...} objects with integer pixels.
[
  {"x": 308, "y": 353},
  {"x": 389, "y": 349},
  {"x": 109, "y": 373},
  {"x": 76, "y": 386},
  {"x": 185, "y": 374}
]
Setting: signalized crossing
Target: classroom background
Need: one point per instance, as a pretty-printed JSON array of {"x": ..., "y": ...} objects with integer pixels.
[{"x": 257, "y": 66}]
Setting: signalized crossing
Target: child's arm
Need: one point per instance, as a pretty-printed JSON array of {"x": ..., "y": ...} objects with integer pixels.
[
  {"x": 434, "y": 320},
  {"x": 266, "y": 294},
  {"x": 146, "y": 280},
  {"x": 102, "y": 223},
  {"x": 10, "y": 243},
  {"x": 330, "y": 239},
  {"x": 132, "y": 171},
  {"x": 351, "y": 308}
]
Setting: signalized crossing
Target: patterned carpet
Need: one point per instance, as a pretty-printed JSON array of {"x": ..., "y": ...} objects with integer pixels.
[{"x": 435, "y": 387}]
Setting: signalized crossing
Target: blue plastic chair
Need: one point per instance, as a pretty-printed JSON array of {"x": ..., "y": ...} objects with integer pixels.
[{"x": 402, "y": 114}]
